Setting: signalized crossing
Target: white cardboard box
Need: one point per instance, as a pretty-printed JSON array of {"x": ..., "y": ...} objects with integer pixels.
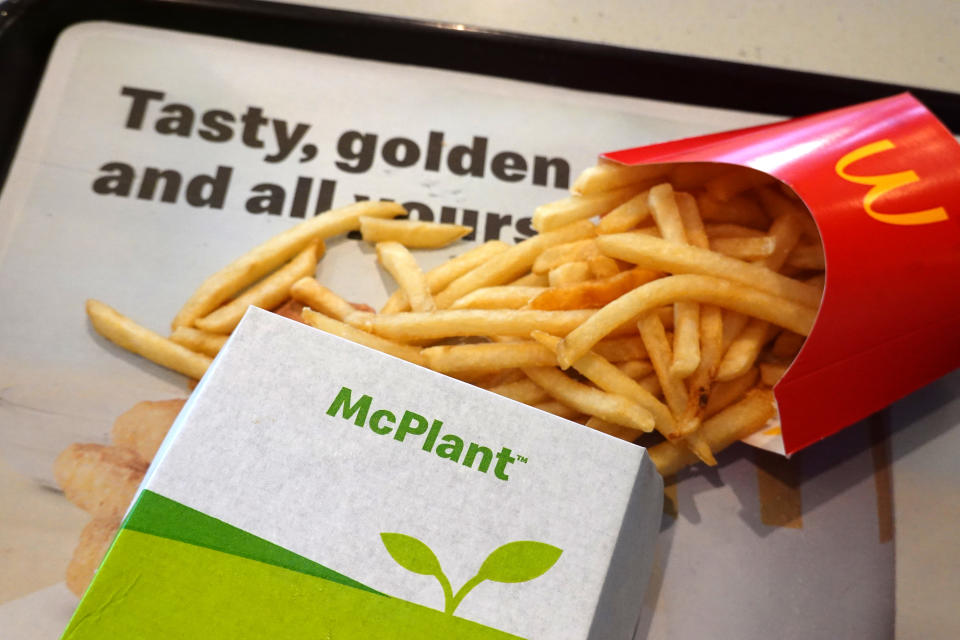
[{"x": 359, "y": 484}]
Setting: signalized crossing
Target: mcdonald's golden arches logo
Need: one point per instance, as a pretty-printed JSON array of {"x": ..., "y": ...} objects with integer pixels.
[{"x": 885, "y": 183}]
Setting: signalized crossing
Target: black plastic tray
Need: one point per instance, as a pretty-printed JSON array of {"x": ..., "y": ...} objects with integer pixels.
[{"x": 29, "y": 28}]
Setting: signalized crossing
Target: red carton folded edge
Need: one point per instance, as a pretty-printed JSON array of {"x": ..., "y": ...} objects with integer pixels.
[{"x": 882, "y": 181}]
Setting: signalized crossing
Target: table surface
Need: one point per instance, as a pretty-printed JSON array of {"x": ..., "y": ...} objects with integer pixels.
[
  {"x": 895, "y": 41},
  {"x": 911, "y": 42}
]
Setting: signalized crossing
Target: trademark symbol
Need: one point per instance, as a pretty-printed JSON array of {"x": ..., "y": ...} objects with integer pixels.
[{"x": 522, "y": 459}]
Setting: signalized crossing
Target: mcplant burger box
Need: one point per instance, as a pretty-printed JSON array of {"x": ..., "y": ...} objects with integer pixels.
[
  {"x": 314, "y": 488},
  {"x": 882, "y": 182}
]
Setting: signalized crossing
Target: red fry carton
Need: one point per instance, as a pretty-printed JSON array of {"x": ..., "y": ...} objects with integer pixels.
[{"x": 882, "y": 181}]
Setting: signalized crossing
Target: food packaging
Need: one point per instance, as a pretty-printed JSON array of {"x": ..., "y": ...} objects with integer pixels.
[
  {"x": 312, "y": 487},
  {"x": 882, "y": 182}
]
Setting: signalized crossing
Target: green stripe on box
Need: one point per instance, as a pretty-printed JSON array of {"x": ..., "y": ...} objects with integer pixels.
[
  {"x": 153, "y": 588},
  {"x": 166, "y": 518}
]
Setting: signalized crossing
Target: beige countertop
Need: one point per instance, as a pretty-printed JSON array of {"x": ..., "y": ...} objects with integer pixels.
[{"x": 911, "y": 42}]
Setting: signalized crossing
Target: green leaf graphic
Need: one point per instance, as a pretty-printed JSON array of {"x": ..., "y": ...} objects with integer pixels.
[
  {"x": 411, "y": 554},
  {"x": 519, "y": 561},
  {"x": 513, "y": 562}
]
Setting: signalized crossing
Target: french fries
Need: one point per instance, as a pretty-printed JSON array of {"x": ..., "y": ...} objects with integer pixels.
[
  {"x": 446, "y": 273},
  {"x": 608, "y": 176},
  {"x": 506, "y": 297},
  {"x": 627, "y": 216},
  {"x": 660, "y": 255},
  {"x": 678, "y": 310},
  {"x": 316, "y": 296},
  {"x": 266, "y": 294},
  {"x": 252, "y": 266},
  {"x": 524, "y": 390},
  {"x": 771, "y": 372},
  {"x": 602, "y": 266},
  {"x": 469, "y": 322},
  {"x": 412, "y": 234},
  {"x": 745, "y": 248},
  {"x": 611, "y": 407},
  {"x": 488, "y": 356},
  {"x": 733, "y": 423},
  {"x": 514, "y": 262},
  {"x": 345, "y": 331},
  {"x": 671, "y": 289},
  {"x": 743, "y": 351},
  {"x": 592, "y": 294},
  {"x": 203, "y": 342},
  {"x": 734, "y": 182},
  {"x": 564, "y": 212},
  {"x": 400, "y": 264},
  {"x": 123, "y": 331},
  {"x": 609, "y": 378},
  {"x": 563, "y": 253},
  {"x": 569, "y": 273}
]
